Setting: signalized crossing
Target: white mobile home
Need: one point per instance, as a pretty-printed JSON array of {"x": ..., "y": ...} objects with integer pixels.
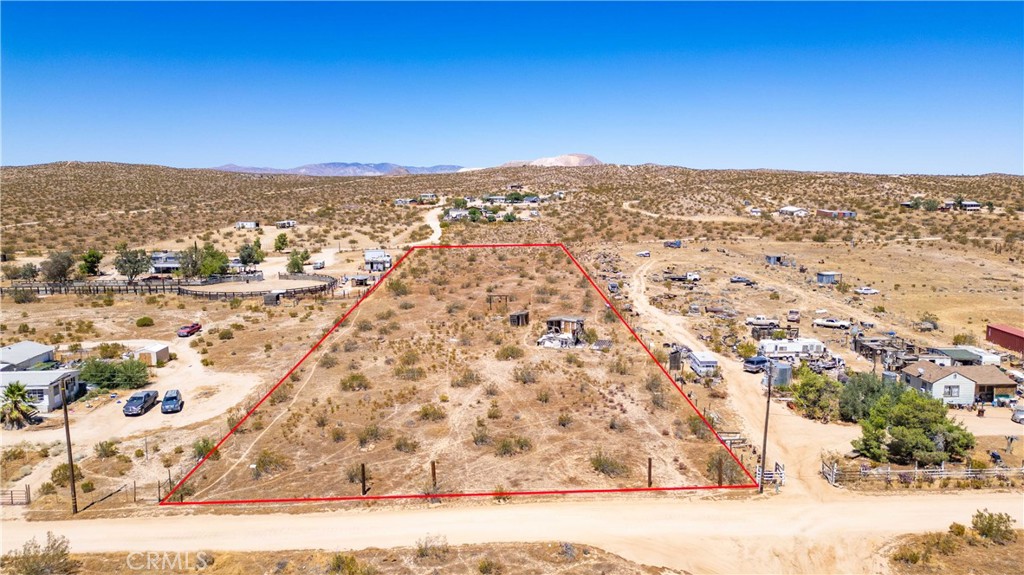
[
  {"x": 803, "y": 348},
  {"x": 247, "y": 225},
  {"x": 25, "y": 354},
  {"x": 43, "y": 387},
  {"x": 703, "y": 363},
  {"x": 283, "y": 224}
]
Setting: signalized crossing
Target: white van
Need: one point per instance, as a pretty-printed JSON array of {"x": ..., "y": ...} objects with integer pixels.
[
  {"x": 643, "y": 254},
  {"x": 1018, "y": 414}
]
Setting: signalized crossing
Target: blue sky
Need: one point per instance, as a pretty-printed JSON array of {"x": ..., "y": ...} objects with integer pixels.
[{"x": 871, "y": 87}]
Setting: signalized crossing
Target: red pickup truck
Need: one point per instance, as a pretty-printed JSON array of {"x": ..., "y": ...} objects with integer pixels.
[{"x": 188, "y": 330}]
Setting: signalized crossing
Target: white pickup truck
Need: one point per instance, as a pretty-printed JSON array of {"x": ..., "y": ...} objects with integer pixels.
[{"x": 762, "y": 321}]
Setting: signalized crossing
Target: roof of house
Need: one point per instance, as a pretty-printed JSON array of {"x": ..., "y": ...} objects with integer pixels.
[
  {"x": 1019, "y": 332},
  {"x": 704, "y": 356},
  {"x": 153, "y": 347},
  {"x": 959, "y": 354},
  {"x": 980, "y": 374},
  {"x": 23, "y": 351},
  {"x": 375, "y": 254},
  {"x": 34, "y": 378},
  {"x": 567, "y": 318}
]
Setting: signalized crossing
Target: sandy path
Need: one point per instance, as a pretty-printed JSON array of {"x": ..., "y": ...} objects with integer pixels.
[{"x": 766, "y": 535}]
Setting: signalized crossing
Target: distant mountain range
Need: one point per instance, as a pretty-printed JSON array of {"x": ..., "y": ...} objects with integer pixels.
[
  {"x": 387, "y": 169},
  {"x": 344, "y": 169}
]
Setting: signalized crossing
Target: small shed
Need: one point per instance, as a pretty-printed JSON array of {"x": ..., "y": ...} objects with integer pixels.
[
  {"x": 153, "y": 355},
  {"x": 675, "y": 360},
  {"x": 247, "y": 225},
  {"x": 360, "y": 281},
  {"x": 519, "y": 318},
  {"x": 284, "y": 224},
  {"x": 377, "y": 260},
  {"x": 829, "y": 278},
  {"x": 273, "y": 298}
]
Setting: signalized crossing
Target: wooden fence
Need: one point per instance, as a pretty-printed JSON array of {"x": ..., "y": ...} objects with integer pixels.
[
  {"x": 101, "y": 287},
  {"x": 16, "y": 496},
  {"x": 837, "y": 476}
]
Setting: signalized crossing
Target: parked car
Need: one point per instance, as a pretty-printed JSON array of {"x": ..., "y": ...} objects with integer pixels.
[
  {"x": 318, "y": 265},
  {"x": 644, "y": 254},
  {"x": 864, "y": 290},
  {"x": 674, "y": 244},
  {"x": 692, "y": 277},
  {"x": 1018, "y": 414},
  {"x": 172, "y": 402},
  {"x": 762, "y": 321},
  {"x": 793, "y": 316},
  {"x": 140, "y": 402},
  {"x": 756, "y": 364},
  {"x": 738, "y": 280},
  {"x": 831, "y": 322},
  {"x": 189, "y": 330}
]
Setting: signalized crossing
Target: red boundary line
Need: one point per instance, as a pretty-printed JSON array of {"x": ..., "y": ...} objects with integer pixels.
[{"x": 166, "y": 500}]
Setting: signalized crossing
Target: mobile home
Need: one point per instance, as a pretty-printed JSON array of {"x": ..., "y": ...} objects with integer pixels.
[{"x": 802, "y": 347}]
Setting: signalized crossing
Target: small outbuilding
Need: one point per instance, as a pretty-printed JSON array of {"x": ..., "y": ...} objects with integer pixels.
[
  {"x": 153, "y": 355},
  {"x": 829, "y": 278},
  {"x": 285, "y": 224},
  {"x": 1007, "y": 336},
  {"x": 274, "y": 297},
  {"x": 377, "y": 260},
  {"x": 247, "y": 225},
  {"x": 519, "y": 318}
]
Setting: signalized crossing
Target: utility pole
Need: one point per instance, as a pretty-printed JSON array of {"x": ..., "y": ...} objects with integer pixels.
[
  {"x": 764, "y": 441},
  {"x": 67, "y": 436}
]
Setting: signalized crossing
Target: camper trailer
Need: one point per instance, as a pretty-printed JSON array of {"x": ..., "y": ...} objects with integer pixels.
[{"x": 803, "y": 348}]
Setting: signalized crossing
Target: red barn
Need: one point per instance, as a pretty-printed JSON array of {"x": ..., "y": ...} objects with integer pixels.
[{"x": 1012, "y": 338}]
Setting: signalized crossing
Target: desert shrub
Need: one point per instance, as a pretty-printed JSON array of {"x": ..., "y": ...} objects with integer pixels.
[
  {"x": 906, "y": 553},
  {"x": 348, "y": 565},
  {"x": 226, "y": 334},
  {"x": 87, "y": 487},
  {"x": 355, "y": 382},
  {"x": 60, "y": 476},
  {"x": 371, "y": 433},
  {"x": 722, "y": 468},
  {"x": 328, "y": 361},
  {"x": 543, "y": 395},
  {"x": 608, "y": 465},
  {"x": 144, "y": 321},
  {"x": 513, "y": 445},
  {"x": 481, "y": 436},
  {"x": 996, "y": 527},
  {"x": 202, "y": 446},
  {"x": 397, "y": 287},
  {"x": 364, "y": 325},
  {"x": 105, "y": 449},
  {"x": 354, "y": 473},
  {"x": 47, "y": 488},
  {"x": 432, "y": 547},
  {"x": 337, "y": 434},
  {"x": 320, "y": 419},
  {"x": 268, "y": 462},
  {"x": 466, "y": 379},
  {"x": 509, "y": 352},
  {"x": 406, "y": 305},
  {"x": 431, "y": 412},
  {"x": 697, "y": 427},
  {"x": 406, "y": 445},
  {"x": 410, "y": 373},
  {"x": 24, "y": 296},
  {"x": 494, "y": 412},
  {"x": 488, "y": 566},
  {"x": 35, "y": 559},
  {"x": 524, "y": 374},
  {"x": 957, "y": 529},
  {"x": 564, "y": 420},
  {"x": 13, "y": 454}
]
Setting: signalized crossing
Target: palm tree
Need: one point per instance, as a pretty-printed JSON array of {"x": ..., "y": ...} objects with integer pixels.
[{"x": 15, "y": 406}]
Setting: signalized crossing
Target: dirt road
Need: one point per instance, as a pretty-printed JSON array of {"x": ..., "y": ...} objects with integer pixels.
[
  {"x": 766, "y": 535},
  {"x": 792, "y": 440}
]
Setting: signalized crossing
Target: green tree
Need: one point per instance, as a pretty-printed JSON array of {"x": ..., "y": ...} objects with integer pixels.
[
  {"x": 912, "y": 427},
  {"x": 964, "y": 339},
  {"x": 280, "y": 242},
  {"x": 250, "y": 254},
  {"x": 35, "y": 559},
  {"x": 460, "y": 203},
  {"x": 128, "y": 374},
  {"x": 816, "y": 395},
  {"x": 202, "y": 262},
  {"x": 930, "y": 205},
  {"x": 15, "y": 406},
  {"x": 861, "y": 392},
  {"x": 131, "y": 263},
  {"x": 57, "y": 268},
  {"x": 746, "y": 349},
  {"x": 91, "y": 259},
  {"x": 296, "y": 261},
  {"x": 509, "y": 217}
]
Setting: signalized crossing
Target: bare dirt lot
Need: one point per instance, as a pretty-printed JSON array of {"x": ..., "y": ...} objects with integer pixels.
[{"x": 428, "y": 369}]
